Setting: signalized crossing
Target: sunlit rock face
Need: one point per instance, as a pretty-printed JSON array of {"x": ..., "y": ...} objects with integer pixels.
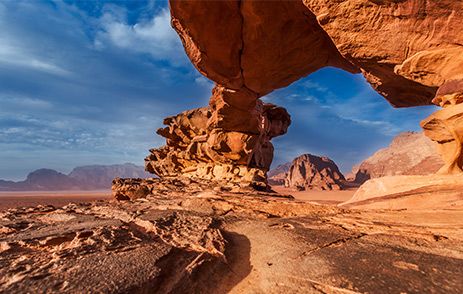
[
  {"x": 200, "y": 143},
  {"x": 409, "y": 153},
  {"x": 406, "y": 49},
  {"x": 446, "y": 126}
]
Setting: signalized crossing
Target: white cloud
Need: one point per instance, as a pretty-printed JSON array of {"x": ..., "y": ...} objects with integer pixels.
[
  {"x": 15, "y": 56},
  {"x": 13, "y": 103},
  {"x": 309, "y": 84},
  {"x": 200, "y": 80},
  {"x": 155, "y": 36}
]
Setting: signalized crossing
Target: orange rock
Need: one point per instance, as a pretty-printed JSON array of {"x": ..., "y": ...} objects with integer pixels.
[
  {"x": 310, "y": 172},
  {"x": 407, "y": 50},
  {"x": 199, "y": 145}
]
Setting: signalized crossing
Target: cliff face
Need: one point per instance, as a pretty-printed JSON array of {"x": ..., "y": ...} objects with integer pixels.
[
  {"x": 310, "y": 172},
  {"x": 408, "y": 154}
]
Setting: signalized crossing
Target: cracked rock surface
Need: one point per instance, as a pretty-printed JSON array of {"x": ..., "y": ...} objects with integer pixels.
[{"x": 217, "y": 241}]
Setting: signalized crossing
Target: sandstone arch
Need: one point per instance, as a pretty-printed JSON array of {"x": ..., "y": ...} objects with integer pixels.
[{"x": 406, "y": 49}]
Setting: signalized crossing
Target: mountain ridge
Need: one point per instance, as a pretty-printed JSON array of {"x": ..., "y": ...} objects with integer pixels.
[{"x": 88, "y": 177}]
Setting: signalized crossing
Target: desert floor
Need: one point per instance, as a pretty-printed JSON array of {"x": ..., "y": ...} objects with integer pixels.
[
  {"x": 176, "y": 241},
  {"x": 55, "y": 198},
  {"x": 61, "y": 198},
  {"x": 324, "y": 197}
]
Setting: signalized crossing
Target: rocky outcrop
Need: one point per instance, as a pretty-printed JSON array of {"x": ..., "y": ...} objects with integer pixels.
[
  {"x": 423, "y": 49},
  {"x": 409, "y": 153},
  {"x": 310, "y": 172},
  {"x": 446, "y": 126},
  {"x": 200, "y": 143},
  {"x": 277, "y": 175},
  {"x": 409, "y": 192}
]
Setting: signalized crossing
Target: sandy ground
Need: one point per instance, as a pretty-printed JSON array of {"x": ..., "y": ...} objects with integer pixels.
[
  {"x": 61, "y": 198},
  {"x": 325, "y": 197},
  {"x": 55, "y": 198},
  {"x": 270, "y": 244}
]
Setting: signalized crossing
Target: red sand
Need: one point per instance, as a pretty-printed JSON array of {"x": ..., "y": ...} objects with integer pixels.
[
  {"x": 55, "y": 198},
  {"x": 325, "y": 197},
  {"x": 61, "y": 198}
]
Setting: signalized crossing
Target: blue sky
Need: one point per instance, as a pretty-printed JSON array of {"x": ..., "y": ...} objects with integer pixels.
[{"x": 89, "y": 82}]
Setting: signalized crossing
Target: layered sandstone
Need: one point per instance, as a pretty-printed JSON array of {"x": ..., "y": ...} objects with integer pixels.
[
  {"x": 200, "y": 143},
  {"x": 310, "y": 172},
  {"x": 409, "y": 153},
  {"x": 445, "y": 126},
  {"x": 409, "y": 192}
]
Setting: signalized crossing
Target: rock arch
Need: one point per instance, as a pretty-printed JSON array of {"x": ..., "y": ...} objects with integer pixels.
[{"x": 406, "y": 49}]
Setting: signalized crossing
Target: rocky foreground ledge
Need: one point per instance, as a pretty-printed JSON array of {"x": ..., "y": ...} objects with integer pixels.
[{"x": 171, "y": 241}]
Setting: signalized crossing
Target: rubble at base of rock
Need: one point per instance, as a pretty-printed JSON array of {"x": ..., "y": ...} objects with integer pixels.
[{"x": 132, "y": 189}]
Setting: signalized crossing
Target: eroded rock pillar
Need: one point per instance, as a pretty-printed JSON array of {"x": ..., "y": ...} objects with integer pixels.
[
  {"x": 228, "y": 141},
  {"x": 446, "y": 126}
]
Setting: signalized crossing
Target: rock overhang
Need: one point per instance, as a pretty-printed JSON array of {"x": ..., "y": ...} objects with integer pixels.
[
  {"x": 407, "y": 50},
  {"x": 262, "y": 46}
]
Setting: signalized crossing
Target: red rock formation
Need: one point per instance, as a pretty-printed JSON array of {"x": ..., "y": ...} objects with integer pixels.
[
  {"x": 408, "y": 154},
  {"x": 201, "y": 144},
  {"x": 446, "y": 126},
  {"x": 406, "y": 50},
  {"x": 310, "y": 172},
  {"x": 270, "y": 46}
]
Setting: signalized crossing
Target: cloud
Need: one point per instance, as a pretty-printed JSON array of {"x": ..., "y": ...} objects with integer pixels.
[
  {"x": 15, "y": 52},
  {"x": 14, "y": 57},
  {"x": 12, "y": 103},
  {"x": 155, "y": 37},
  {"x": 80, "y": 105}
]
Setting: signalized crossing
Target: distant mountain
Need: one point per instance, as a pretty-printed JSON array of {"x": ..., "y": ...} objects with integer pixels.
[
  {"x": 308, "y": 172},
  {"x": 409, "y": 153},
  {"x": 277, "y": 175},
  {"x": 101, "y": 176},
  {"x": 311, "y": 172},
  {"x": 90, "y": 177}
]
